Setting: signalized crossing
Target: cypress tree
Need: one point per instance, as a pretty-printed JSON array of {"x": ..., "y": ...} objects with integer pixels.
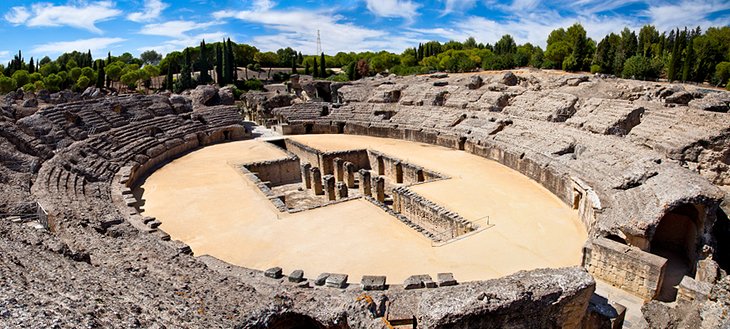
[
  {"x": 101, "y": 75},
  {"x": 219, "y": 64},
  {"x": 168, "y": 79},
  {"x": 672, "y": 71},
  {"x": 315, "y": 72},
  {"x": 306, "y": 68},
  {"x": 230, "y": 65},
  {"x": 688, "y": 63},
  {"x": 186, "y": 79},
  {"x": 224, "y": 68},
  {"x": 294, "y": 65},
  {"x": 322, "y": 67},
  {"x": 204, "y": 75},
  {"x": 31, "y": 66},
  {"x": 109, "y": 58}
]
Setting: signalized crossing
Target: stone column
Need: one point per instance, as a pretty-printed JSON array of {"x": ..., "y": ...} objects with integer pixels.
[
  {"x": 378, "y": 188},
  {"x": 349, "y": 175},
  {"x": 398, "y": 172},
  {"x": 364, "y": 182},
  {"x": 316, "y": 181},
  {"x": 329, "y": 187},
  {"x": 341, "y": 190},
  {"x": 307, "y": 176},
  {"x": 419, "y": 176},
  {"x": 337, "y": 170}
]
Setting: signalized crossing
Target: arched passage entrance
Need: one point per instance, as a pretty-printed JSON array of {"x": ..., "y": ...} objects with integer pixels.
[
  {"x": 675, "y": 239},
  {"x": 293, "y": 321}
]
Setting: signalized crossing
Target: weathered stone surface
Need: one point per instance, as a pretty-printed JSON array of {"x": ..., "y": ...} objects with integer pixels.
[
  {"x": 32, "y": 102},
  {"x": 446, "y": 279},
  {"x": 419, "y": 281},
  {"x": 475, "y": 82},
  {"x": 296, "y": 276},
  {"x": 373, "y": 282},
  {"x": 336, "y": 280},
  {"x": 714, "y": 102},
  {"x": 226, "y": 96},
  {"x": 509, "y": 79},
  {"x": 274, "y": 273},
  {"x": 321, "y": 279},
  {"x": 205, "y": 95},
  {"x": 547, "y": 106}
]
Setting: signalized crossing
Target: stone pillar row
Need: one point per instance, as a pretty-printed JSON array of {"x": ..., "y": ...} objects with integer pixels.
[{"x": 333, "y": 189}]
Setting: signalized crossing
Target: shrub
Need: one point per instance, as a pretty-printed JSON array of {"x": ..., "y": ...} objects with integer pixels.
[
  {"x": 250, "y": 84},
  {"x": 29, "y": 88},
  {"x": 7, "y": 85},
  {"x": 639, "y": 67},
  {"x": 595, "y": 68}
]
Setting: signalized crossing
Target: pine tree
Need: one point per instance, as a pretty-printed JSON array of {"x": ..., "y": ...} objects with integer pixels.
[
  {"x": 101, "y": 75},
  {"x": 315, "y": 72},
  {"x": 204, "y": 75},
  {"x": 219, "y": 64},
  {"x": 168, "y": 79},
  {"x": 322, "y": 67}
]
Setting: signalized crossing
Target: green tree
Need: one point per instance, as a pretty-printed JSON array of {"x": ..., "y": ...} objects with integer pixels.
[
  {"x": 323, "y": 67},
  {"x": 83, "y": 82},
  {"x": 219, "y": 64},
  {"x": 21, "y": 77},
  {"x": 7, "y": 84},
  {"x": 151, "y": 72},
  {"x": 53, "y": 82},
  {"x": 186, "y": 80},
  {"x": 101, "y": 74},
  {"x": 74, "y": 73},
  {"x": 203, "y": 64},
  {"x": 168, "y": 78},
  {"x": 114, "y": 72},
  {"x": 639, "y": 67},
  {"x": 722, "y": 73},
  {"x": 688, "y": 61},
  {"x": 150, "y": 57}
]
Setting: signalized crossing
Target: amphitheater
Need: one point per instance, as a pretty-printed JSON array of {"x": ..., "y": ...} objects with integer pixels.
[{"x": 527, "y": 199}]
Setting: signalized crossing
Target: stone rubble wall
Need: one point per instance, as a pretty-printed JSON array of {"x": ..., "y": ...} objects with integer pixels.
[
  {"x": 443, "y": 224},
  {"x": 277, "y": 172},
  {"x": 625, "y": 267}
]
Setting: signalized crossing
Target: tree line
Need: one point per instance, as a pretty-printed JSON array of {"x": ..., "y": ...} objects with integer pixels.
[{"x": 688, "y": 55}]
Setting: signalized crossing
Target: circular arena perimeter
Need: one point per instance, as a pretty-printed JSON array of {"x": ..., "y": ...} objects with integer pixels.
[{"x": 204, "y": 200}]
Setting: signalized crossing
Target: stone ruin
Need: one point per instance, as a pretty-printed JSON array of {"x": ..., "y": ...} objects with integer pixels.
[{"x": 645, "y": 165}]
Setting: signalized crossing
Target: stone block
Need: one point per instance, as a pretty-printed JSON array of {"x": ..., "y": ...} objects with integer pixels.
[
  {"x": 692, "y": 290},
  {"x": 373, "y": 282},
  {"x": 321, "y": 279},
  {"x": 349, "y": 175},
  {"x": 446, "y": 279},
  {"x": 341, "y": 190},
  {"x": 306, "y": 176},
  {"x": 364, "y": 176},
  {"x": 338, "y": 164},
  {"x": 336, "y": 280},
  {"x": 316, "y": 181},
  {"x": 419, "y": 281},
  {"x": 296, "y": 276},
  {"x": 378, "y": 188},
  {"x": 329, "y": 187},
  {"x": 274, "y": 273}
]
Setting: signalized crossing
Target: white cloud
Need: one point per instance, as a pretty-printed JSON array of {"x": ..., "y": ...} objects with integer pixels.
[
  {"x": 17, "y": 15},
  {"x": 184, "y": 42},
  {"x": 173, "y": 29},
  {"x": 457, "y": 5},
  {"x": 4, "y": 56},
  {"x": 298, "y": 29},
  {"x": 689, "y": 13},
  {"x": 152, "y": 10},
  {"x": 84, "y": 16},
  {"x": 394, "y": 8},
  {"x": 96, "y": 45}
]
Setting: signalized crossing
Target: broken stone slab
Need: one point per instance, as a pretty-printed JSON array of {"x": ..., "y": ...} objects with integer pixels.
[
  {"x": 296, "y": 276},
  {"x": 373, "y": 282},
  {"x": 274, "y": 273},
  {"x": 320, "y": 280},
  {"x": 440, "y": 83},
  {"x": 336, "y": 280},
  {"x": 154, "y": 224},
  {"x": 419, "y": 281},
  {"x": 446, "y": 279}
]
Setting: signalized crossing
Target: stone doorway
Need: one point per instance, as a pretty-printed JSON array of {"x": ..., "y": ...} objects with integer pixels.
[{"x": 675, "y": 239}]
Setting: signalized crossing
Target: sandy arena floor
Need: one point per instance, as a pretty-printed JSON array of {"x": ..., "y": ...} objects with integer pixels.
[{"x": 202, "y": 200}]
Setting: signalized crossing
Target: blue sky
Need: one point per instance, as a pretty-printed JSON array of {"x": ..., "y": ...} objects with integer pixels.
[{"x": 52, "y": 27}]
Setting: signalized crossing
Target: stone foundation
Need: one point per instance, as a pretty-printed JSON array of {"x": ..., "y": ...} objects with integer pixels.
[{"x": 443, "y": 224}]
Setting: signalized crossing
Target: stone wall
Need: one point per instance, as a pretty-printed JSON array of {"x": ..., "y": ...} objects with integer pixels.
[
  {"x": 277, "y": 172},
  {"x": 358, "y": 157},
  {"x": 410, "y": 174},
  {"x": 305, "y": 153},
  {"x": 439, "y": 221},
  {"x": 625, "y": 267}
]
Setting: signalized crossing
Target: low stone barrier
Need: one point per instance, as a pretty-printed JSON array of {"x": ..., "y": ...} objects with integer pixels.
[{"x": 443, "y": 224}]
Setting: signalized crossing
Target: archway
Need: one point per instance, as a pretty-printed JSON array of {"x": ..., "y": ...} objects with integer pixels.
[
  {"x": 675, "y": 239},
  {"x": 293, "y": 321},
  {"x": 721, "y": 233}
]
